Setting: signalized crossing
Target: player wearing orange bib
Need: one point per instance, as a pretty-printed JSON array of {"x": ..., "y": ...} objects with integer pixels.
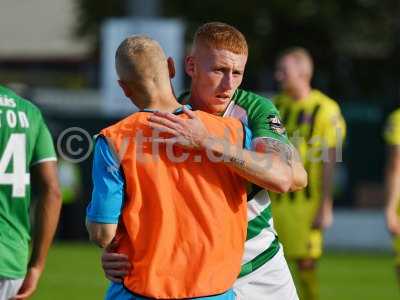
[{"x": 183, "y": 221}]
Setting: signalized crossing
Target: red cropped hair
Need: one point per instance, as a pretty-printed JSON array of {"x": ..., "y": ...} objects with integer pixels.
[{"x": 219, "y": 35}]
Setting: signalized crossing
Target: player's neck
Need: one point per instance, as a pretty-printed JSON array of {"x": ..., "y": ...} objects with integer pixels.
[
  {"x": 300, "y": 93},
  {"x": 163, "y": 101},
  {"x": 196, "y": 103},
  {"x": 169, "y": 104}
]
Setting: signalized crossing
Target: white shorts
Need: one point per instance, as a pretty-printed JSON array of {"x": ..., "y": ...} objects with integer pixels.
[
  {"x": 9, "y": 287},
  {"x": 272, "y": 281}
]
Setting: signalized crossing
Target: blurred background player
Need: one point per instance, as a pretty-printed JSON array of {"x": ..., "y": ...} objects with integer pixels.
[
  {"x": 25, "y": 147},
  {"x": 216, "y": 66},
  {"x": 392, "y": 182},
  {"x": 316, "y": 127}
]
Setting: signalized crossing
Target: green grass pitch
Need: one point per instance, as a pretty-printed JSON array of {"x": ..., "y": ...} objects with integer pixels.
[{"x": 73, "y": 272}]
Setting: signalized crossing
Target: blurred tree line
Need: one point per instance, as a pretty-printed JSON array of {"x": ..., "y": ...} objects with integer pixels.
[{"x": 355, "y": 43}]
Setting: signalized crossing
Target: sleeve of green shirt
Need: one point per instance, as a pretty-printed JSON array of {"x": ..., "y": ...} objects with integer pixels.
[
  {"x": 265, "y": 121},
  {"x": 44, "y": 147}
]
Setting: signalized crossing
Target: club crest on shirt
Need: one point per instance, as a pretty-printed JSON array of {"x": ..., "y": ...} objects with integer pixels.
[{"x": 276, "y": 124}]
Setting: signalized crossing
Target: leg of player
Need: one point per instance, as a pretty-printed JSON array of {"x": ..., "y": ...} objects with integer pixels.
[{"x": 307, "y": 278}]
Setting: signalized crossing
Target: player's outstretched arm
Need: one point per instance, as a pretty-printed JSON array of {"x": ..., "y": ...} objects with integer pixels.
[
  {"x": 46, "y": 218},
  {"x": 392, "y": 190},
  {"x": 270, "y": 165}
]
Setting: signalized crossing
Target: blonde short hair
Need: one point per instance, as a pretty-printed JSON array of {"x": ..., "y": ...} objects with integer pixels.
[{"x": 138, "y": 57}]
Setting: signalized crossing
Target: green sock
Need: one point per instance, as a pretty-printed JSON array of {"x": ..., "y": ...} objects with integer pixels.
[{"x": 308, "y": 286}]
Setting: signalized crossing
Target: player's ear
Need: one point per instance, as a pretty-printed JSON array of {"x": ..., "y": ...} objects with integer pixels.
[
  {"x": 171, "y": 67},
  {"x": 125, "y": 88},
  {"x": 189, "y": 65}
]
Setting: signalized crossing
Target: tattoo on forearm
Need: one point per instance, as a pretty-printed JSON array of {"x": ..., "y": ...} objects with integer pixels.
[
  {"x": 237, "y": 161},
  {"x": 283, "y": 150}
]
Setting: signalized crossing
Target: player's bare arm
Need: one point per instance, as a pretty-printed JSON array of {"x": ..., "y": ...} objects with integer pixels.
[
  {"x": 269, "y": 166},
  {"x": 392, "y": 190},
  {"x": 324, "y": 216},
  {"x": 289, "y": 155},
  {"x": 300, "y": 176},
  {"x": 46, "y": 218},
  {"x": 100, "y": 233}
]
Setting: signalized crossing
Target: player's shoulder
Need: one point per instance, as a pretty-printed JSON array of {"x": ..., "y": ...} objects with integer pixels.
[
  {"x": 126, "y": 124},
  {"x": 253, "y": 103},
  {"x": 392, "y": 122},
  {"x": 394, "y": 116},
  {"x": 325, "y": 101},
  {"x": 392, "y": 128}
]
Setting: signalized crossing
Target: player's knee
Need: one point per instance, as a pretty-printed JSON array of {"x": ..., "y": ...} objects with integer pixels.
[{"x": 306, "y": 264}]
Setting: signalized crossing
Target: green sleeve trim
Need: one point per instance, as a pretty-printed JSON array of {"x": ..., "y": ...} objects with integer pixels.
[{"x": 52, "y": 158}]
